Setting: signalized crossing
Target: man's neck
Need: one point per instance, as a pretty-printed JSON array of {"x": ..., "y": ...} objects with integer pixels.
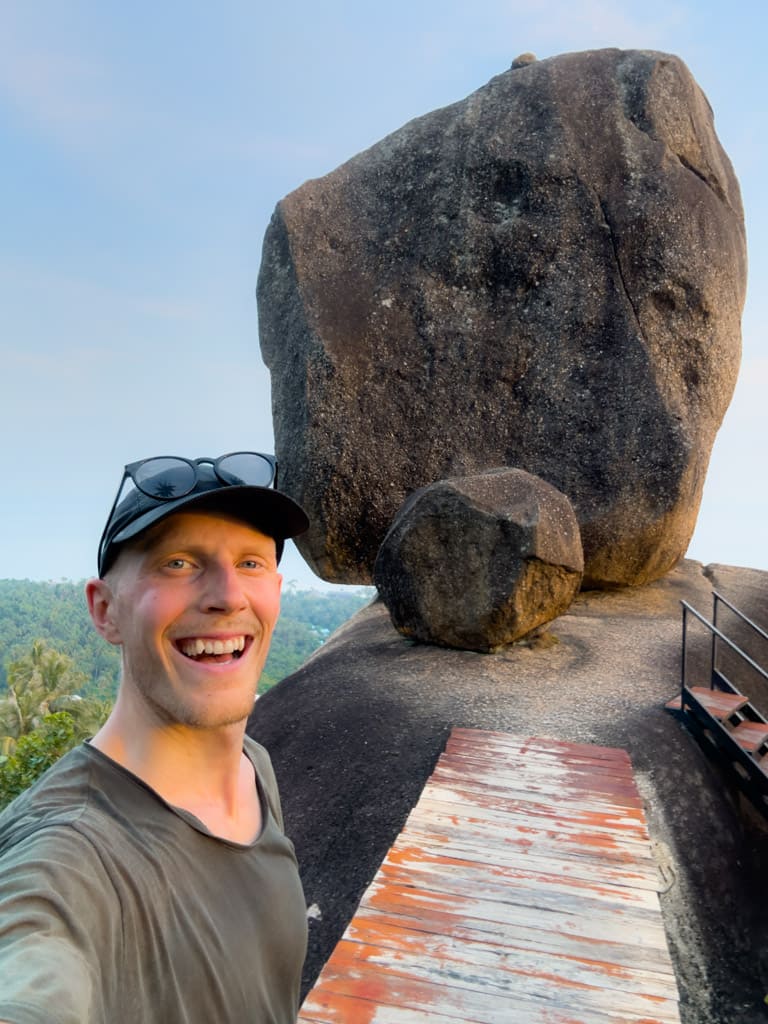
[{"x": 203, "y": 771}]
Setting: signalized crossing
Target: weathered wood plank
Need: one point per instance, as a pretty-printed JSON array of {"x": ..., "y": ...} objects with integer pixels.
[
  {"x": 502, "y": 773},
  {"x": 485, "y": 737},
  {"x": 564, "y": 754},
  {"x": 430, "y": 987},
  {"x": 522, "y": 888},
  {"x": 520, "y": 786},
  {"x": 330, "y": 1008},
  {"x": 530, "y": 759},
  {"x": 525, "y": 892},
  {"x": 571, "y": 838},
  {"x": 405, "y": 860},
  {"x": 576, "y": 970},
  {"x": 554, "y": 858},
  {"x": 611, "y": 831},
  {"x": 511, "y": 975},
  {"x": 385, "y": 895},
  {"x": 512, "y": 785},
  {"x": 595, "y": 871},
  {"x": 324, "y": 1006},
  {"x": 552, "y": 788},
  {"x": 544, "y": 935}
]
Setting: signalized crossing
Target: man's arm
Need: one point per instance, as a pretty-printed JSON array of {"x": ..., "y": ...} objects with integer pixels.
[{"x": 56, "y": 923}]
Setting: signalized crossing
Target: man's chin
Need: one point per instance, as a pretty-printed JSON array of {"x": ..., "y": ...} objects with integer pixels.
[{"x": 202, "y": 714}]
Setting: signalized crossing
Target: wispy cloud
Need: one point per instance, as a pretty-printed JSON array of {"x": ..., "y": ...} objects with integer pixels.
[{"x": 59, "y": 88}]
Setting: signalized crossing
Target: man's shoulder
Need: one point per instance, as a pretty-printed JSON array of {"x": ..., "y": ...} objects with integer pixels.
[
  {"x": 258, "y": 754},
  {"x": 81, "y": 801},
  {"x": 57, "y": 798}
]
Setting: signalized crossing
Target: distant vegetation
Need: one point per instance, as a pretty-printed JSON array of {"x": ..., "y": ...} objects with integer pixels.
[
  {"x": 58, "y": 678},
  {"x": 56, "y": 614}
]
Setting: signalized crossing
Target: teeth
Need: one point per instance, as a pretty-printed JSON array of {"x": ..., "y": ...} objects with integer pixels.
[{"x": 196, "y": 646}]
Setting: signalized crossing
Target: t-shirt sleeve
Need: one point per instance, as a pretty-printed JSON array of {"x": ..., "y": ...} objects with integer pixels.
[{"x": 55, "y": 914}]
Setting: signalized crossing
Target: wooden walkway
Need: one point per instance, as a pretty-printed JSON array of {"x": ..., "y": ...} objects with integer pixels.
[{"x": 521, "y": 891}]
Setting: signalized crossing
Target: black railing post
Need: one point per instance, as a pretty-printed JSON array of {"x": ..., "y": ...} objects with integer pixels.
[
  {"x": 682, "y": 659},
  {"x": 713, "y": 646}
]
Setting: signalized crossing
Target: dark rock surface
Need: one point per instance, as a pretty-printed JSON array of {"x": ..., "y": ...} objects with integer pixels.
[
  {"x": 478, "y": 562},
  {"x": 355, "y": 733},
  {"x": 547, "y": 275}
]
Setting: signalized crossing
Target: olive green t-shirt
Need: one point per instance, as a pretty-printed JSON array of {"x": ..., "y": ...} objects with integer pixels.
[{"x": 116, "y": 907}]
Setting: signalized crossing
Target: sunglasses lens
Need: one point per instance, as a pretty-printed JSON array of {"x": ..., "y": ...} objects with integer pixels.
[
  {"x": 246, "y": 468},
  {"x": 165, "y": 478}
]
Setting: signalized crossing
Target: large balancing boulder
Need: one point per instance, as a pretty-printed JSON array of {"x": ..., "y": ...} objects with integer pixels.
[
  {"x": 549, "y": 275},
  {"x": 480, "y": 562}
]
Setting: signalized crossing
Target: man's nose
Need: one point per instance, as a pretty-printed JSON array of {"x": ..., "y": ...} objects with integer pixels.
[{"x": 223, "y": 588}]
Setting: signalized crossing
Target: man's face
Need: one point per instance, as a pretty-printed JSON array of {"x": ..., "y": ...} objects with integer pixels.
[{"x": 193, "y": 603}]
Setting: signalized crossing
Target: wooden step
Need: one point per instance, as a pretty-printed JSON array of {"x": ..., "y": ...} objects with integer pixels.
[
  {"x": 750, "y": 735},
  {"x": 719, "y": 704}
]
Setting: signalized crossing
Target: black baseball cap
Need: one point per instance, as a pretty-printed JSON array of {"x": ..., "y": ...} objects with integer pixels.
[{"x": 212, "y": 485}]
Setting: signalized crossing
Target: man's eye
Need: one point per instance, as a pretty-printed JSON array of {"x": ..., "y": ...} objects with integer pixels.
[
  {"x": 251, "y": 563},
  {"x": 177, "y": 563}
]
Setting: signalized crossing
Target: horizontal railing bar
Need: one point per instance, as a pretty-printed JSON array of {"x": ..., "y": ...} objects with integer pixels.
[
  {"x": 741, "y": 615},
  {"x": 713, "y": 629}
]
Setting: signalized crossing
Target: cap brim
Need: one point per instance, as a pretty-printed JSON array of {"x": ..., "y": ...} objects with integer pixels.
[{"x": 269, "y": 511}]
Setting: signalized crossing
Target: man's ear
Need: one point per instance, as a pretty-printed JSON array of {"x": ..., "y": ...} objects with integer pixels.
[{"x": 101, "y": 605}]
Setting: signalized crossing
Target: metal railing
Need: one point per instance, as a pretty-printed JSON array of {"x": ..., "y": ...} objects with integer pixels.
[
  {"x": 715, "y": 675},
  {"x": 748, "y": 771}
]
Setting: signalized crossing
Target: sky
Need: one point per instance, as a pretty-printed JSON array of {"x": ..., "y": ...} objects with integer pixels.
[{"x": 144, "y": 148}]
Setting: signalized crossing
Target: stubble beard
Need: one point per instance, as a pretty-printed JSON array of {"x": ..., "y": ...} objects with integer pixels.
[
  {"x": 175, "y": 711},
  {"x": 170, "y": 708}
]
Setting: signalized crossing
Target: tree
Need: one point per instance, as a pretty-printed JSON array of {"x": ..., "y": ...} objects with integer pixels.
[
  {"x": 34, "y": 753},
  {"x": 34, "y": 683},
  {"x": 42, "y": 716}
]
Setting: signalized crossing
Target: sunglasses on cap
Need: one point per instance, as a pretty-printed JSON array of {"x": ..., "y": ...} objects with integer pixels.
[{"x": 171, "y": 478}]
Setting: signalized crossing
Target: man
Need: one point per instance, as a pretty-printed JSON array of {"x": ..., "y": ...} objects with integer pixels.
[{"x": 146, "y": 876}]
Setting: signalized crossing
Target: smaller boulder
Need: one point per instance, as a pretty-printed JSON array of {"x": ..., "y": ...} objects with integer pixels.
[{"x": 480, "y": 561}]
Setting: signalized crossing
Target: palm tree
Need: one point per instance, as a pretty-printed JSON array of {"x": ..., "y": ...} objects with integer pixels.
[{"x": 39, "y": 683}]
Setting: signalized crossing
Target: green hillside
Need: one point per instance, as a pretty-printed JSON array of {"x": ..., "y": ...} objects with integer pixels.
[{"x": 56, "y": 613}]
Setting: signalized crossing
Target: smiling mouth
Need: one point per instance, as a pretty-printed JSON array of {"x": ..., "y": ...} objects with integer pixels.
[{"x": 206, "y": 649}]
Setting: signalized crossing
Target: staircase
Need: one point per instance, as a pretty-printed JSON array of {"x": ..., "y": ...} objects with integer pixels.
[{"x": 719, "y": 714}]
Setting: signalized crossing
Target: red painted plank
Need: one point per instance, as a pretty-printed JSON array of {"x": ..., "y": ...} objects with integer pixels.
[
  {"x": 325, "y": 1007},
  {"x": 596, "y": 774},
  {"x": 590, "y": 787},
  {"x": 612, "y": 830},
  {"x": 641, "y": 874},
  {"x": 719, "y": 704},
  {"x": 541, "y": 936},
  {"x": 426, "y": 986},
  {"x": 538, "y": 758},
  {"x": 526, "y": 892},
  {"x": 553, "y": 926},
  {"x": 750, "y": 735},
  {"x": 577, "y": 970},
  {"x": 541, "y": 743}
]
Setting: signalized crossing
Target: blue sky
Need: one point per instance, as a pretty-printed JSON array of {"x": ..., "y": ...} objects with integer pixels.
[{"x": 144, "y": 147}]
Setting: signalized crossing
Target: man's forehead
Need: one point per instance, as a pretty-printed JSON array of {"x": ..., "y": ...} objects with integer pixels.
[{"x": 191, "y": 526}]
